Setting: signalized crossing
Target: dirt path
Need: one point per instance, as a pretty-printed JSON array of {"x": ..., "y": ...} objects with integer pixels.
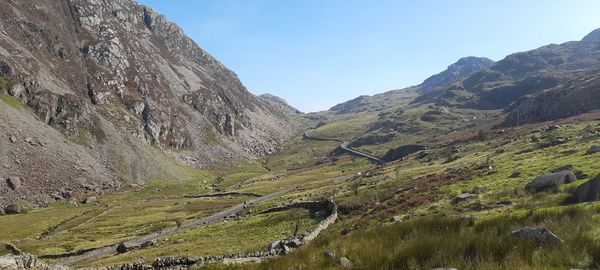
[{"x": 220, "y": 216}]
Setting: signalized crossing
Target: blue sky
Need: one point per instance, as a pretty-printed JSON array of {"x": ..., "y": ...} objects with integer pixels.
[{"x": 317, "y": 53}]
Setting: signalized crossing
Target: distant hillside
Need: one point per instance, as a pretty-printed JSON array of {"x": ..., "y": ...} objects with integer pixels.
[
  {"x": 396, "y": 98},
  {"x": 462, "y": 68}
]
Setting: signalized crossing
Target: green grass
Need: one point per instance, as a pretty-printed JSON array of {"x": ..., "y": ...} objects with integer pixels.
[
  {"x": 454, "y": 242},
  {"x": 11, "y": 101},
  {"x": 244, "y": 235}
]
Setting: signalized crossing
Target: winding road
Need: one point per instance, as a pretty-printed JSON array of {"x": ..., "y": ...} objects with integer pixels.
[
  {"x": 344, "y": 146},
  {"x": 137, "y": 242}
]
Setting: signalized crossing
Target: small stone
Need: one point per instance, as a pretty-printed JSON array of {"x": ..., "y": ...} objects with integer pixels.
[
  {"x": 91, "y": 199},
  {"x": 463, "y": 197},
  {"x": 580, "y": 175},
  {"x": 12, "y": 209},
  {"x": 346, "y": 231},
  {"x": 515, "y": 174},
  {"x": 13, "y": 139},
  {"x": 14, "y": 182},
  {"x": 329, "y": 254},
  {"x": 345, "y": 263}
]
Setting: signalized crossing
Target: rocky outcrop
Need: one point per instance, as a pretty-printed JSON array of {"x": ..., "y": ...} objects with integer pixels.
[
  {"x": 550, "y": 182},
  {"x": 402, "y": 151},
  {"x": 25, "y": 261},
  {"x": 575, "y": 96},
  {"x": 462, "y": 68},
  {"x": 116, "y": 78}
]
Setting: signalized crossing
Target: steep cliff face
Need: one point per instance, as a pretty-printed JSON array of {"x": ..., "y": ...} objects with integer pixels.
[{"x": 98, "y": 69}]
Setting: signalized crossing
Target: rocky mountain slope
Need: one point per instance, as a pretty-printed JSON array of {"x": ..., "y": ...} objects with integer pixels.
[
  {"x": 520, "y": 75},
  {"x": 124, "y": 90},
  {"x": 395, "y": 98}
]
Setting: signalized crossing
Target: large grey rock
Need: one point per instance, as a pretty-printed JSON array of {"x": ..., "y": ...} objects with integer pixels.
[
  {"x": 539, "y": 235},
  {"x": 593, "y": 149},
  {"x": 14, "y": 182},
  {"x": 550, "y": 182},
  {"x": 345, "y": 263},
  {"x": 588, "y": 191},
  {"x": 329, "y": 254}
]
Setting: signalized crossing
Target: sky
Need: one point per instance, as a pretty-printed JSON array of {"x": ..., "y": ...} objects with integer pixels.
[{"x": 318, "y": 53}]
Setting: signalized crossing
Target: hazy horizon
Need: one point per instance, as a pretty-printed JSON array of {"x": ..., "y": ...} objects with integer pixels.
[{"x": 321, "y": 53}]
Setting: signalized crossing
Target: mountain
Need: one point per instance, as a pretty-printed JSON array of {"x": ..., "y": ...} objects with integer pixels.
[
  {"x": 124, "y": 91},
  {"x": 279, "y": 104},
  {"x": 462, "y": 68},
  {"x": 520, "y": 75},
  {"x": 376, "y": 102},
  {"x": 395, "y": 98}
]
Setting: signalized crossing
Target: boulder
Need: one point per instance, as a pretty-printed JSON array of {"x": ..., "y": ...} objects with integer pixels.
[
  {"x": 275, "y": 246},
  {"x": 541, "y": 236},
  {"x": 463, "y": 197},
  {"x": 148, "y": 243},
  {"x": 13, "y": 209},
  {"x": 593, "y": 149},
  {"x": 567, "y": 167},
  {"x": 345, "y": 263},
  {"x": 550, "y": 182},
  {"x": 122, "y": 248},
  {"x": 14, "y": 182},
  {"x": 588, "y": 191}
]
